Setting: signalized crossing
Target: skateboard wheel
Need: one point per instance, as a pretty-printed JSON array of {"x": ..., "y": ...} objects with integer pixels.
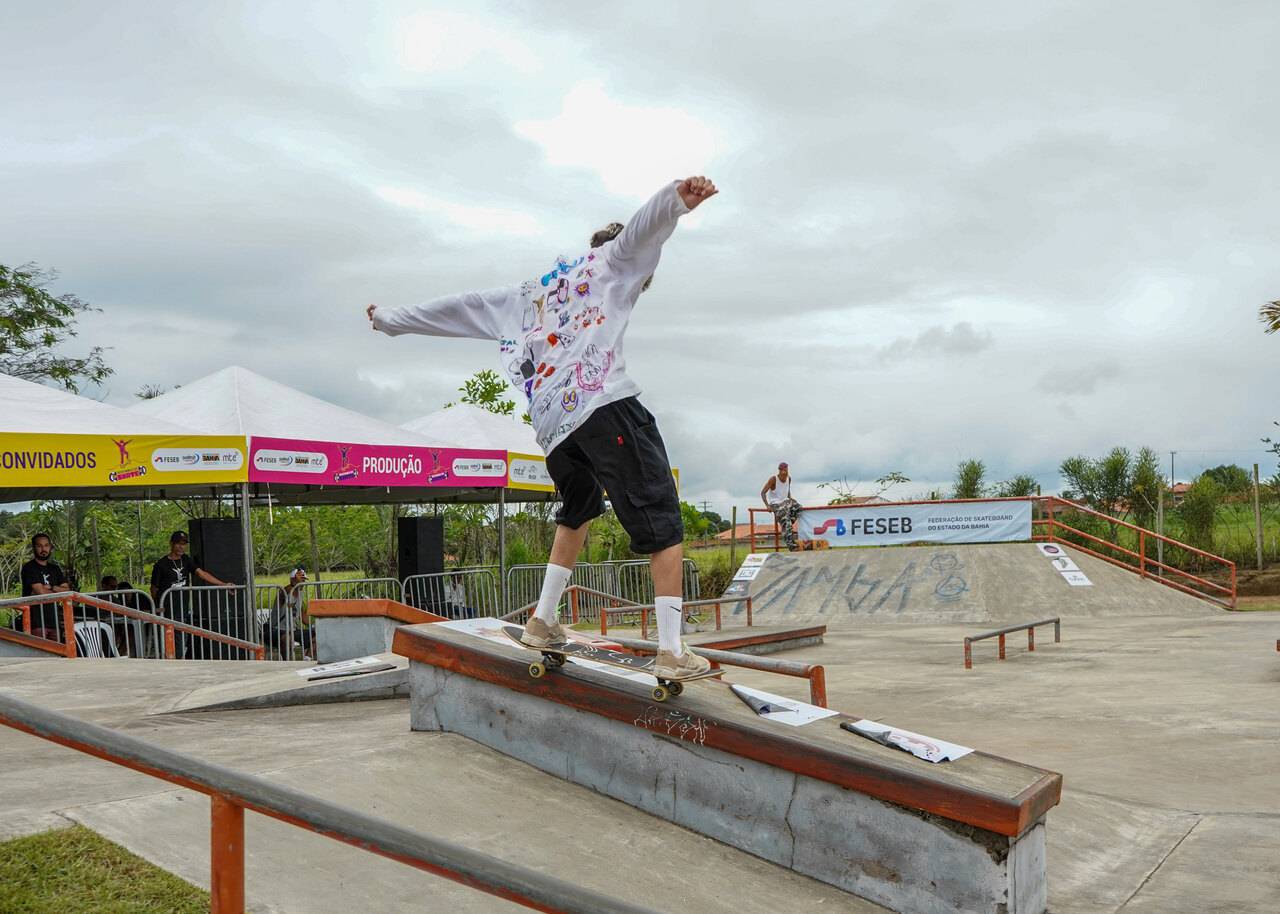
[
  {"x": 660, "y": 693},
  {"x": 537, "y": 669},
  {"x": 675, "y": 687}
]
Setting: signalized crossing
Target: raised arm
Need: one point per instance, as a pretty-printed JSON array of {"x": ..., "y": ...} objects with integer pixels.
[
  {"x": 640, "y": 242},
  {"x": 475, "y": 315}
]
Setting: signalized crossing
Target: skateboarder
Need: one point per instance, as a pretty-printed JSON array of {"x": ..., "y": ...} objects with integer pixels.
[{"x": 560, "y": 336}]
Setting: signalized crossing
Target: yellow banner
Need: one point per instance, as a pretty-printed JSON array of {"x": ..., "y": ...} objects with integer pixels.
[
  {"x": 529, "y": 471},
  {"x": 28, "y": 460}
]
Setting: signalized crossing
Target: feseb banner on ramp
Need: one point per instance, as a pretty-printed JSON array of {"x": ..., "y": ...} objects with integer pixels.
[
  {"x": 330, "y": 463},
  {"x": 918, "y": 522},
  {"x": 39, "y": 460}
]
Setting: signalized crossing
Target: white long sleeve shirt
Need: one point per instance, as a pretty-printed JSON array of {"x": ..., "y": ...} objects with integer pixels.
[{"x": 560, "y": 335}]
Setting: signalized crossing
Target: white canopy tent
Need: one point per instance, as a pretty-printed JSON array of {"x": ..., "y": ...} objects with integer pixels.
[
  {"x": 237, "y": 401},
  {"x": 465, "y": 424},
  {"x": 30, "y": 408}
]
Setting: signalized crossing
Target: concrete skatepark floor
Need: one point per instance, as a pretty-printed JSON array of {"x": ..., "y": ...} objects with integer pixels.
[{"x": 1163, "y": 726}]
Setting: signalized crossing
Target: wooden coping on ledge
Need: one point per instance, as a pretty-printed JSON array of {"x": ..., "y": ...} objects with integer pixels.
[{"x": 982, "y": 790}]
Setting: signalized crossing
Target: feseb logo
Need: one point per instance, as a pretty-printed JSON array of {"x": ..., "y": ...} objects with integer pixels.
[{"x": 867, "y": 526}]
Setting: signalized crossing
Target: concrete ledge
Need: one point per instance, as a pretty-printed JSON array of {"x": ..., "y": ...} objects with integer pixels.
[
  {"x": 357, "y": 628},
  {"x": 20, "y": 644},
  {"x": 760, "y": 641},
  {"x": 284, "y": 688},
  {"x": 965, "y": 836}
]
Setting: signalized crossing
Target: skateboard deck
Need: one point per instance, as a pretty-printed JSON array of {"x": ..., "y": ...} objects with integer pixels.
[{"x": 555, "y": 654}]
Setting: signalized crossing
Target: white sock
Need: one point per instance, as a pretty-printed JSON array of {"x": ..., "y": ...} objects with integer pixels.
[
  {"x": 670, "y": 612},
  {"x": 552, "y": 588}
]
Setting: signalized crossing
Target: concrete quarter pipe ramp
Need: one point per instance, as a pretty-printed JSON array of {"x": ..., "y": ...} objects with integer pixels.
[{"x": 1010, "y": 582}]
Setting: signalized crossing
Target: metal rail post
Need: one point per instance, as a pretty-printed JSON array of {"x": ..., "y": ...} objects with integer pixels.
[
  {"x": 69, "y": 623},
  {"x": 226, "y": 885}
]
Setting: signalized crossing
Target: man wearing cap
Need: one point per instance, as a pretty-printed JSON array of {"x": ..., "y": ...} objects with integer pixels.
[
  {"x": 177, "y": 569},
  {"x": 777, "y": 498}
]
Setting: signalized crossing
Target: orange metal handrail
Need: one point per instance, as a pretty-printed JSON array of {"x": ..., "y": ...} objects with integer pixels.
[
  {"x": 1053, "y": 524},
  {"x": 69, "y": 599},
  {"x": 232, "y": 792}
]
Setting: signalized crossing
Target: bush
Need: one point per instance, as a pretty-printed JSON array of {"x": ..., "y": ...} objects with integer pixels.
[{"x": 1199, "y": 510}]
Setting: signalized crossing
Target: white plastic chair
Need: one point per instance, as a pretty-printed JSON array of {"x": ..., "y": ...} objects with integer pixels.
[{"x": 92, "y": 636}]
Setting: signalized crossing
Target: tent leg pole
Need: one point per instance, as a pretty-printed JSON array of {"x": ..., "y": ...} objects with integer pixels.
[
  {"x": 250, "y": 601},
  {"x": 502, "y": 545}
]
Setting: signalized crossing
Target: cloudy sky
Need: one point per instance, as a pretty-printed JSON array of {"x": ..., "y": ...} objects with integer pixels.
[{"x": 1014, "y": 231}]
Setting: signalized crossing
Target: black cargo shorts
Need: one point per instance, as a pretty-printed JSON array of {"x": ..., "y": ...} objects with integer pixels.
[{"x": 618, "y": 450}]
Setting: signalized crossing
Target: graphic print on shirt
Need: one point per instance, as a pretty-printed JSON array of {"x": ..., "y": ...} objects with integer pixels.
[
  {"x": 594, "y": 368},
  {"x": 562, "y": 268}
]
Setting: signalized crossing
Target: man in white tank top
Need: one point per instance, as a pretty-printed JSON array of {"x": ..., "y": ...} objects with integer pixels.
[{"x": 777, "y": 498}]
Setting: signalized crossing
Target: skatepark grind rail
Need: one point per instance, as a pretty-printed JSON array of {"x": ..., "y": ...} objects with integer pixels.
[{"x": 232, "y": 792}]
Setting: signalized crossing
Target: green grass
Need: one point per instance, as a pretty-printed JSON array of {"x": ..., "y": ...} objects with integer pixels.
[
  {"x": 75, "y": 871},
  {"x": 1258, "y": 604}
]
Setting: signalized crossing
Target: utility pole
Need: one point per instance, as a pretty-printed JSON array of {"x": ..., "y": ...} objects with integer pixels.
[
  {"x": 1173, "y": 480},
  {"x": 1160, "y": 526},
  {"x": 1257, "y": 514}
]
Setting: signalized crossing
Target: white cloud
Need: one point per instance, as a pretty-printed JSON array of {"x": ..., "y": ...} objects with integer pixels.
[
  {"x": 633, "y": 148},
  {"x": 442, "y": 42},
  {"x": 480, "y": 219}
]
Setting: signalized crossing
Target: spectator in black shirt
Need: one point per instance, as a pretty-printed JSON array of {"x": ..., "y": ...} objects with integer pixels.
[
  {"x": 40, "y": 576},
  {"x": 177, "y": 569}
]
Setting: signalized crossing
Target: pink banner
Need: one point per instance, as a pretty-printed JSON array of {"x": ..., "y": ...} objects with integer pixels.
[{"x": 330, "y": 463}]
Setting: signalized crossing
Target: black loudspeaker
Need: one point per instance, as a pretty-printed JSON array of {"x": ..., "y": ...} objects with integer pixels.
[
  {"x": 217, "y": 545},
  {"x": 421, "y": 549}
]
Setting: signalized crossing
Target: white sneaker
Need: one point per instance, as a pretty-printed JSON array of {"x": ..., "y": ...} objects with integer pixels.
[
  {"x": 539, "y": 634},
  {"x": 668, "y": 666}
]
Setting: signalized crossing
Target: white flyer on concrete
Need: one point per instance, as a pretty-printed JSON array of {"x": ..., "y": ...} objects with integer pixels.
[
  {"x": 1077, "y": 579},
  {"x": 755, "y": 559},
  {"x": 747, "y": 573},
  {"x": 343, "y": 666},
  {"x": 925, "y": 747},
  {"x": 1063, "y": 563},
  {"x": 785, "y": 710}
]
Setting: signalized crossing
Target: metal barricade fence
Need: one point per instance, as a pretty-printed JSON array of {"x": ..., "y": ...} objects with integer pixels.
[
  {"x": 461, "y": 593},
  {"x": 280, "y": 628},
  {"x": 627, "y": 578},
  {"x": 524, "y": 585},
  {"x": 635, "y": 583},
  {"x": 102, "y": 633},
  {"x": 222, "y": 610}
]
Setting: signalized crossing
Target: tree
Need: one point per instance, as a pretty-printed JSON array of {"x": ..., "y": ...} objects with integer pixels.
[
  {"x": 1269, "y": 314},
  {"x": 845, "y": 492},
  {"x": 487, "y": 390},
  {"x": 1105, "y": 484},
  {"x": 34, "y": 323},
  {"x": 1233, "y": 479},
  {"x": 969, "y": 476},
  {"x": 1199, "y": 510},
  {"x": 1020, "y": 486},
  {"x": 1145, "y": 483}
]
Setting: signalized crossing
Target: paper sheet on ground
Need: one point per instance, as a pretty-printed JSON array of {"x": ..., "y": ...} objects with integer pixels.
[
  {"x": 796, "y": 713},
  {"x": 925, "y": 747},
  {"x": 342, "y": 666}
]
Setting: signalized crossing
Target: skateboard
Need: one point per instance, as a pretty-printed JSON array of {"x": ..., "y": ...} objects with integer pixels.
[{"x": 555, "y": 655}]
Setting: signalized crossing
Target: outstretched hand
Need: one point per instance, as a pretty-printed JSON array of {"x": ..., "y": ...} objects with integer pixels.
[
  {"x": 368, "y": 312},
  {"x": 693, "y": 191}
]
